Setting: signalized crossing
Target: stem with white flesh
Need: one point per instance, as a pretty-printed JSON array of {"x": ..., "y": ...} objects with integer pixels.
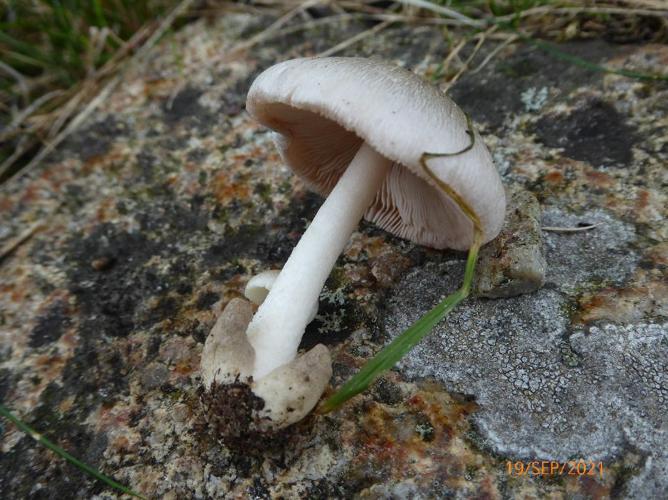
[{"x": 279, "y": 323}]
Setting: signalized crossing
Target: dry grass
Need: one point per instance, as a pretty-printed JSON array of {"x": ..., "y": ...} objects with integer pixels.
[{"x": 38, "y": 113}]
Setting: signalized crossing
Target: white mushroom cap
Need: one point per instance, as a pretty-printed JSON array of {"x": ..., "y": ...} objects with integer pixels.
[{"x": 325, "y": 108}]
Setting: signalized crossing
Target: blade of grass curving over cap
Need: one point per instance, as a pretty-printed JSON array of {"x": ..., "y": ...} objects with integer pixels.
[
  {"x": 399, "y": 347},
  {"x": 426, "y": 156},
  {"x": 4, "y": 411}
]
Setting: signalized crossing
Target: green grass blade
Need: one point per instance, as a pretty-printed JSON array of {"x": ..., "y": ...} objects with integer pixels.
[
  {"x": 392, "y": 353},
  {"x": 23, "y": 47},
  {"x": 4, "y": 411},
  {"x": 99, "y": 13},
  {"x": 400, "y": 346},
  {"x": 578, "y": 61},
  {"x": 17, "y": 59}
]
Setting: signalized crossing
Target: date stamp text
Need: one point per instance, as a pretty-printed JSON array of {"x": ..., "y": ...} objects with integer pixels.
[{"x": 545, "y": 468}]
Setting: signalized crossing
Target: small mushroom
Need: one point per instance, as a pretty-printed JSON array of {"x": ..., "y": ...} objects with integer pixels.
[
  {"x": 358, "y": 131},
  {"x": 259, "y": 285}
]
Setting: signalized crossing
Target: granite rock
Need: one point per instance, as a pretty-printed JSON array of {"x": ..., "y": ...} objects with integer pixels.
[{"x": 513, "y": 263}]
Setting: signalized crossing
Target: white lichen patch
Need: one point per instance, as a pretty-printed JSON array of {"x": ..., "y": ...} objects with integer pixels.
[
  {"x": 334, "y": 297},
  {"x": 534, "y": 99},
  {"x": 578, "y": 260},
  {"x": 331, "y": 322},
  {"x": 546, "y": 391}
]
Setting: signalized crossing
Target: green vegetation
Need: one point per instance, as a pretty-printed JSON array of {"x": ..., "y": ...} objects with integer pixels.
[
  {"x": 64, "y": 41},
  {"x": 391, "y": 354},
  {"x": 62, "y": 453},
  {"x": 55, "y": 56}
]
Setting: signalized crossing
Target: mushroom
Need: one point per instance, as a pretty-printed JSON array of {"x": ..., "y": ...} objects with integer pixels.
[{"x": 358, "y": 131}]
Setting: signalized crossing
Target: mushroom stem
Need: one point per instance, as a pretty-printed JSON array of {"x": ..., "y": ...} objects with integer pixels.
[{"x": 279, "y": 324}]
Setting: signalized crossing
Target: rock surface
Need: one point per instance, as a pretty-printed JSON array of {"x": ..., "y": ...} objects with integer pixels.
[
  {"x": 513, "y": 263},
  {"x": 156, "y": 213}
]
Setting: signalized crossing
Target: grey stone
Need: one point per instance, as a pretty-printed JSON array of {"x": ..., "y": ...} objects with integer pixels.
[
  {"x": 513, "y": 263},
  {"x": 154, "y": 375},
  {"x": 588, "y": 259}
]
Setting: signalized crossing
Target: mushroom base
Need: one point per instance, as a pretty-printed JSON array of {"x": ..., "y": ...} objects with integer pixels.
[
  {"x": 231, "y": 421},
  {"x": 238, "y": 426},
  {"x": 235, "y": 402}
]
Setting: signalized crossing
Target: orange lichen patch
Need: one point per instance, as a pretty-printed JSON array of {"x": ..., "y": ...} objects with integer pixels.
[
  {"x": 361, "y": 245},
  {"x": 49, "y": 365},
  {"x": 186, "y": 367},
  {"x": 646, "y": 296},
  {"x": 31, "y": 193},
  {"x": 191, "y": 167},
  {"x": 181, "y": 354},
  {"x": 158, "y": 87},
  {"x": 598, "y": 179},
  {"x": 488, "y": 489},
  {"x": 649, "y": 205},
  {"x": 18, "y": 293},
  {"x": 128, "y": 443},
  {"x": 384, "y": 448},
  {"x": 172, "y": 180},
  {"x": 115, "y": 157},
  {"x": 6, "y": 203},
  {"x": 106, "y": 210},
  {"x": 421, "y": 438},
  {"x": 225, "y": 189},
  {"x": 177, "y": 350},
  {"x": 359, "y": 275},
  {"x": 111, "y": 417},
  {"x": 234, "y": 288},
  {"x": 658, "y": 254},
  {"x": 120, "y": 444},
  {"x": 250, "y": 153},
  {"x": 625, "y": 304},
  {"x": 69, "y": 339},
  {"x": 642, "y": 200},
  {"x": 554, "y": 177},
  {"x": 593, "y": 487},
  {"x": 273, "y": 157},
  {"x": 136, "y": 349},
  {"x": 445, "y": 412},
  {"x": 148, "y": 483},
  {"x": 66, "y": 405},
  {"x": 387, "y": 267},
  {"x": 53, "y": 179}
]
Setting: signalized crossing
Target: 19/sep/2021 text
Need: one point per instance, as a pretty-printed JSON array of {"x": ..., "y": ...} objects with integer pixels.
[{"x": 553, "y": 468}]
